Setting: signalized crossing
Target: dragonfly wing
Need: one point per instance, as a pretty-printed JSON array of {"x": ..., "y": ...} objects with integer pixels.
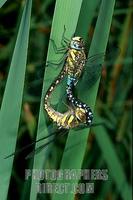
[
  {"x": 93, "y": 69},
  {"x": 39, "y": 149},
  {"x": 92, "y": 72},
  {"x": 43, "y": 146}
]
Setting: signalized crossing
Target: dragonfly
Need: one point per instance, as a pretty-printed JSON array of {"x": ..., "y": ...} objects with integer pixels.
[
  {"x": 75, "y": 60},
  {"x": 91, "y": 73}
]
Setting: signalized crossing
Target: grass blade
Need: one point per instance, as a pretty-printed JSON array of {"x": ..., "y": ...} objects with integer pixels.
[
  {"x": 61, "y": 17},
  {"x": 87, "y": 7},
  {"x": 114, "y": 165},
  {"x": 2, "y": 2},
  {"x": 12, "y": 100},
  {"x": 75, "y": 146}
]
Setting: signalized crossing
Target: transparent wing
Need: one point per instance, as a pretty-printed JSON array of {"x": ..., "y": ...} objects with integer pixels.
[
  {"x": 43, "y": 146},
  {"x": 93, "y": 67},
  {"x": 53, "y": 133},
  {"x": 92, "y": 70},
  {"x": 39, "y": 149}
]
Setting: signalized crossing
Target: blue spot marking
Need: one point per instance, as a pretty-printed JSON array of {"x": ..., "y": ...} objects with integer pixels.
[{"x": 70, "y": 80}]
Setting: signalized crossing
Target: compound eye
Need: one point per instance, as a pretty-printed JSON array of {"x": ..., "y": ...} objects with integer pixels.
[{"x": 76, "y": 44}]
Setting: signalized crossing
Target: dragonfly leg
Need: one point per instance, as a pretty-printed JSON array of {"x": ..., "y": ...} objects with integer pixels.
[
  {"x": 58, "y": 50},
  {"x": 56, "y": 63},
  {"x": 64, "y": 47},
  {"x": 64, "y": 39}
]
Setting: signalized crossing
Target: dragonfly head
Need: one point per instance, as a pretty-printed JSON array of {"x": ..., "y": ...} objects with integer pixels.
[{"x": 77, "y": 43}]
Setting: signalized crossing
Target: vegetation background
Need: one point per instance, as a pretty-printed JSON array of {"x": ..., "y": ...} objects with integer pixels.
[{"x": 22, "y": 81}]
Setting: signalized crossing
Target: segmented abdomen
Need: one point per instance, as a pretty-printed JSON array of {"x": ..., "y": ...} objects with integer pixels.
[
  {"x": 83, "y": 112},
  {"x": 65, "y": 120},
  {"x": 50, "y": 111}
]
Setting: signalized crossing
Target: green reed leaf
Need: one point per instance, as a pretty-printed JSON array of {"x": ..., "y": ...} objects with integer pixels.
[
  {"x": 12, "y": 100},
  {"x": 2, "y": 2},
  {"x": 76, "y": 142},
  {"x": 62, "y": 17},
  {"x": 116, "y": 171}
]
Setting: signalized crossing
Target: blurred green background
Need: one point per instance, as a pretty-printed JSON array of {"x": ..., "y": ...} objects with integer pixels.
[{"x": 106, "y": 148}]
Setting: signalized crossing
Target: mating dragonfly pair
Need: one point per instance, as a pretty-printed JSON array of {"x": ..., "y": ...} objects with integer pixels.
[{"x": 79, "y": 113}]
